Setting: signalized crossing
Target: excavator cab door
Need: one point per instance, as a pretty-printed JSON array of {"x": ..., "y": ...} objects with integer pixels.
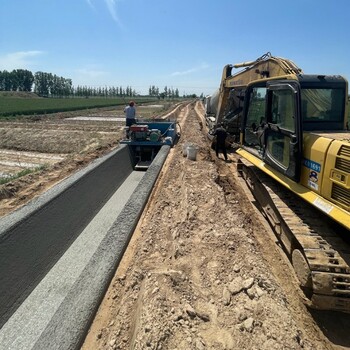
[{"x": 282, "y": 132}]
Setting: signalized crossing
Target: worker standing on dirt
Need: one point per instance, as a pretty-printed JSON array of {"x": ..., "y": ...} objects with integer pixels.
[
  {"x": 221, "y": 135},
  {"x": 130, "y": 112}
]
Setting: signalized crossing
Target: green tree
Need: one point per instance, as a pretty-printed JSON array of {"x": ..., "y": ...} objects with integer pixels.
[
  {"x": 26, "y": 81},
  {"x": 41, "y": 83},
  {"x": 17, "y": 80},
  {"x": 6, "y": 81}
]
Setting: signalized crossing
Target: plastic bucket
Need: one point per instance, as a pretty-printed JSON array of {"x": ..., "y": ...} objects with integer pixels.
[
  {"x": 184, "y": 149},
  {"x": 191, "y": 152}
]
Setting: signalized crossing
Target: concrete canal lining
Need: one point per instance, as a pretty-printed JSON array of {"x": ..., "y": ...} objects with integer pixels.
[{"x": 59, "y": 253}]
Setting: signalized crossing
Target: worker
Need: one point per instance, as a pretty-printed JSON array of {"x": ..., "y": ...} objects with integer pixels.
[
  {"x": 130, "y": 112},
  {"x": 221, "y": 135}
]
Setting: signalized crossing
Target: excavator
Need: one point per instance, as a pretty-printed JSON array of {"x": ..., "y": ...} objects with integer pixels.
[{"x": 290, "y": 131}]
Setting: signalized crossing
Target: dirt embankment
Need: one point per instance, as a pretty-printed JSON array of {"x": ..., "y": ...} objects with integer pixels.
[{"x": 194, "y": 275}]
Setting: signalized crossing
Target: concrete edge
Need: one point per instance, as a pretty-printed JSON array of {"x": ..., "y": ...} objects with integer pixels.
[
  {"x": 70, "y": 324},
  {"x": 16, "y": 217}
]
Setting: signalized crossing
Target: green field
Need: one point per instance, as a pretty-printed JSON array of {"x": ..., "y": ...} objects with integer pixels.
[
  {"x": 11, "y": 106},
  {"x": 14, "y": 106}
]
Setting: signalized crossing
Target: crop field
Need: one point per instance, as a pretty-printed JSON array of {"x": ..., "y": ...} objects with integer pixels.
[{"x": 10, "y": 106}]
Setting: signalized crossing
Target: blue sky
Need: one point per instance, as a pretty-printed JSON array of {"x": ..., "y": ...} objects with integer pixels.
[{"x": 182, "y": 44}]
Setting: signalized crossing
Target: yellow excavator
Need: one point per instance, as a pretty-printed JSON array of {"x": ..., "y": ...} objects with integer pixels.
[{"x": 291, "y": 132}]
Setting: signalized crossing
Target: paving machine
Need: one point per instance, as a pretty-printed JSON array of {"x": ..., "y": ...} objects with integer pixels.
[
  {"x": 145, "y": 139},
  {"x": 291, "y": 132}
]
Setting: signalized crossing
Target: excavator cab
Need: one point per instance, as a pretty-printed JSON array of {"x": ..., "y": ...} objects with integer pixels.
[
  {"x": 272, "y": 125},
  {"x": 277, "y": 112}
]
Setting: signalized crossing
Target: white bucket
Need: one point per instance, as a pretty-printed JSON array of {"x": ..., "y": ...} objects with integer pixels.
[
  {"x": 184, "y": 149},
  {"x": 191, "y": 152}
]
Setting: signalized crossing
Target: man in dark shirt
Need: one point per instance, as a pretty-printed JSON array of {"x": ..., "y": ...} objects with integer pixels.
[{"x": 221, "y": 135}]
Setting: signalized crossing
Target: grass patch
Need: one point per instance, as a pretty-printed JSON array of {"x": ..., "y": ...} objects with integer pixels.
[{"x": 22, "y": 173}]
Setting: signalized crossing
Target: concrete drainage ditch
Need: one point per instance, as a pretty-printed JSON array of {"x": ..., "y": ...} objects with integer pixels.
[{"x": 59, "y": 252}]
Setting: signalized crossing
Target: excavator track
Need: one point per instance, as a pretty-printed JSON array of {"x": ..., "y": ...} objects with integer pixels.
[{"x": 315, "y": 245}]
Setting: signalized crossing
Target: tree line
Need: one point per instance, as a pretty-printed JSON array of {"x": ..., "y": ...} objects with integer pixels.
[
  {"x": 167, "y": 93},
  {"x": 45, "y": 84},
  {"x": 107, "y": 91},
  {"x": 50, "y": 85},
  {"x": 17, "y": 80}
]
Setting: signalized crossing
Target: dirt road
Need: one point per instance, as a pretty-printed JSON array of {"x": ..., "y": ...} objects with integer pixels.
[{"x": 201, "y": 271}]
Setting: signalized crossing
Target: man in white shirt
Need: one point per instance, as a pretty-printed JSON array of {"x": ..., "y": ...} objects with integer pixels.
[{"x": 130, "y": 112}]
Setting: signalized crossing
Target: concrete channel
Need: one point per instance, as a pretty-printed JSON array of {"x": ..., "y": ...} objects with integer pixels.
[{"x": 59, "y": 252}]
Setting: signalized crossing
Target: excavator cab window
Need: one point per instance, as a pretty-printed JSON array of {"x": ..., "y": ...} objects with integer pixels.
[
  {"x": 255, "y": 119},
  {"x": 322, "y": 108},
  {"x": 233, "y": 112},
  {"x": 272, "y": 125},
  {"x": 282, "y": 132},
  {"x": 283, "y": 111},
  {"x": 282, "y": 118}
]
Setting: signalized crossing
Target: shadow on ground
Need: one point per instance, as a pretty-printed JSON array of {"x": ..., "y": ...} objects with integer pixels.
[{"x": 334, "y": 325}]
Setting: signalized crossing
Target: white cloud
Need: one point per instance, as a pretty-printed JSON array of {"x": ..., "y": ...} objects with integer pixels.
[
  {"x": 91, "y": 75},
  {"x": 112, "y": 8},
  {"x": 191, "y": 70},
  {"x": 19, "y": 60},
  {"x": 91, "y": 72}
]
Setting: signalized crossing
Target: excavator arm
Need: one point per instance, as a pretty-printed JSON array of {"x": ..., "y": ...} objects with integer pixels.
[{"x": 262, "y": 69}]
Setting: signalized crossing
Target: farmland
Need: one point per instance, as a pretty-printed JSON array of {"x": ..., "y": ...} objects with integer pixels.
[{"x": 11, "y": 105}]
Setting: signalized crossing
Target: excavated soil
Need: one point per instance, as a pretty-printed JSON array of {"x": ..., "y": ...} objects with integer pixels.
[{"x": 202, "y": 270}]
